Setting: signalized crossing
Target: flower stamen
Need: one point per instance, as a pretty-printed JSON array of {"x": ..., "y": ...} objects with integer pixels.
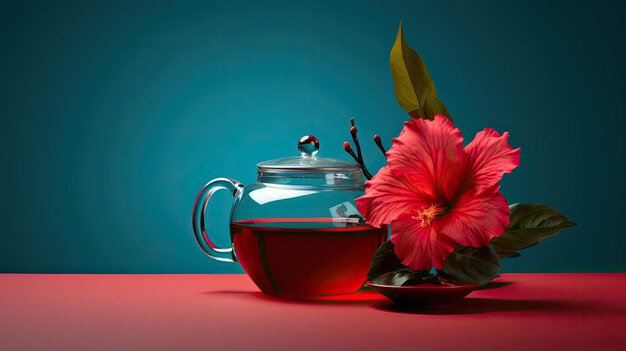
[{"x": 427, "y": 215}]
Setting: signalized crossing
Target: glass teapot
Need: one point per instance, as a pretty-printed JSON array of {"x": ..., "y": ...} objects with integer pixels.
[{"x": 296, "y": 230}]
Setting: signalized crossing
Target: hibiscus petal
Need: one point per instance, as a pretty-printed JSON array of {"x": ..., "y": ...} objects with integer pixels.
[
  {"x": 419, "y": 247},
  {"x": 488, "y": 157},
  {"x": 476, "y": 218},
  {"x": 429, "y": 153},
  {"x": 387, "y": 197}
]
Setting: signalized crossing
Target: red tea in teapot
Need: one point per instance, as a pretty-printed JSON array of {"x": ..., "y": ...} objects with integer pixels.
[
  {"x": 296, "y": 231},
  {"x": 306, "y": 256}
]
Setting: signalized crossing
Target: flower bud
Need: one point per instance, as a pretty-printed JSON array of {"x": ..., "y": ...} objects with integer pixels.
[{"x": 347, "y": 147}]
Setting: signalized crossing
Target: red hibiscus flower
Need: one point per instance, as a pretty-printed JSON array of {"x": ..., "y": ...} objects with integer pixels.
[{"x": 437, "y": 194}]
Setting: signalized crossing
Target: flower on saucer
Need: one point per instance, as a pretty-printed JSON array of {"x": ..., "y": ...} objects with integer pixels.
[{"x": 437, "y": 194}]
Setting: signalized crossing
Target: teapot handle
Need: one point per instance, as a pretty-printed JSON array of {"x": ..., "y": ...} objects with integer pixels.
[{"x": 198, "y": 221}]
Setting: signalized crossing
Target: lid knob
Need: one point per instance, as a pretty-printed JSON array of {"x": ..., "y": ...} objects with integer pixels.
[{"x": 308, "y": 145}]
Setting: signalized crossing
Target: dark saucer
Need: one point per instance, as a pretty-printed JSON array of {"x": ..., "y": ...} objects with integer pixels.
[{"x": 425, "y": 296}]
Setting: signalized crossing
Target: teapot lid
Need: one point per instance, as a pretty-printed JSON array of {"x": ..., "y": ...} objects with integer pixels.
[{"x": 308, "y": 161}]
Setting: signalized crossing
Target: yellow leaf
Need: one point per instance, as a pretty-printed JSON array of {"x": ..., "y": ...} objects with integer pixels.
[{"x": 414, "y": 89}]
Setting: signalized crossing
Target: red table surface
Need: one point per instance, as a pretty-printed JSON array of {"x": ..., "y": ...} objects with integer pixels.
[{"x": 227, "y": 312}]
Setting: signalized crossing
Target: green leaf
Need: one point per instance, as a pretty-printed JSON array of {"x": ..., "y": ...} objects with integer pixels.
[
  {"x": 384, "y": 261},
  {"x": 529, "y": 225},
  {"x": 415, "y": 90},
  {"x": 386, "y": 269},
  {"x": 471, "y": 265},
  {"x": 405, "y": 276}
]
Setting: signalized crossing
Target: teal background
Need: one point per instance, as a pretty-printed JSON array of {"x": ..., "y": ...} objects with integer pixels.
[{"x": 115, "y": 113}]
